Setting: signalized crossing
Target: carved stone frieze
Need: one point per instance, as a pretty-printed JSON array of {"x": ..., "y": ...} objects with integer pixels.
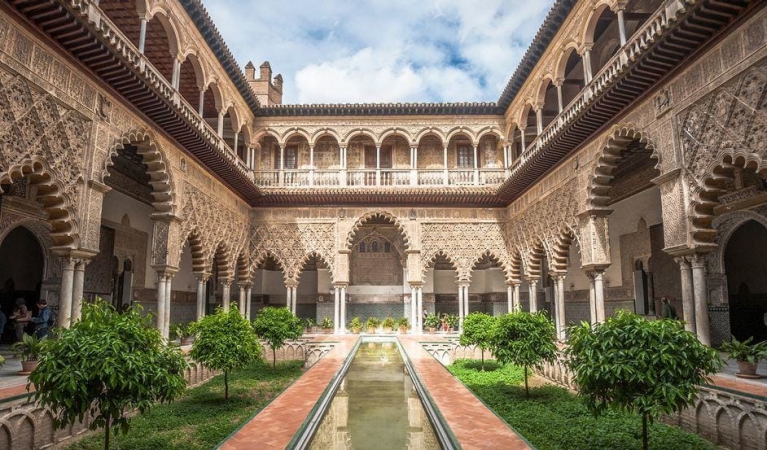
[
  {"x": 464, "y": 244},
  {"x": 39, "y": 135}
]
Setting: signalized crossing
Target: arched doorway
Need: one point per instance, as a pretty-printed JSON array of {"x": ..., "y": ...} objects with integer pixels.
[
  {"x": 24, "y": 276},
  {"x": 745, "y": 263},
  {"x": 377, "y": 275}
]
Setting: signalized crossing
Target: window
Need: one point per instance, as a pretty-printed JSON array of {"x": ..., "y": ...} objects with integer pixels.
[
  {"x": 465, "y": 157},
  {"x": 291, "y": 158},
  {"x": 362, "y": 247},
  {"x": 387, "y": 247},
  {"x": 374, "y": 247}
]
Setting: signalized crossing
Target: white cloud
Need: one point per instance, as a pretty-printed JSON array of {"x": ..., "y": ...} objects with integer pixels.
[{"x": 382, "y": 51}]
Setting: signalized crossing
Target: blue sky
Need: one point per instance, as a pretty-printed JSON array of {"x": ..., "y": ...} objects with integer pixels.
[{"x": 331, "y": 51}]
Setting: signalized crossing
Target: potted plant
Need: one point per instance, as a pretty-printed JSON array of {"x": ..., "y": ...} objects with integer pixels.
[
  {"x": 371, "y": 324},
  {"x": 452, "y": 322},
  {"x": 28, "y": 348},
  {"x": 403, "y": 325},
  {"x": 431, "y": 323},
  {"x": 355, "y": 325},
  {"x": 309, "y": 324},
  {"x": 327, "y": 324},
  {"x": 746, "y": 354},
  {"x": 183, "y": 333},
  {"x": 388, "y": 324}
]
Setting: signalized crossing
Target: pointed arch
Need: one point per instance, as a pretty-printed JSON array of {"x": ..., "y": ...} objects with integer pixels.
[
  {"x": 372, "y": 215},
  {"x": 431, "y": 260},
  {"x": 158, "y": 168},
  {"x": 500, "y": 261}
]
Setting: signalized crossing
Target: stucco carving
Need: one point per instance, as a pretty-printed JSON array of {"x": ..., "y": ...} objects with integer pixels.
[{"x": 463, "y": 244}]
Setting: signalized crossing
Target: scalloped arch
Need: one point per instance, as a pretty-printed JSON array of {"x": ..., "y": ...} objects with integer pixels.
[
  {"x": 158, "y": 168},
  {"x": 60, "y": 208},
  {"x": 607, "y": 160},
  {"x": 370, "y": 215}
]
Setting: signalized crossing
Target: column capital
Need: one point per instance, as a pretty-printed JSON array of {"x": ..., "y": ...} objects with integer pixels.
[
  {"x": 558, "y": 275},
  {"x": 245, "y": 284},
  {"x": 698, "y": 261},
  {"x": 416, "y": 285}
]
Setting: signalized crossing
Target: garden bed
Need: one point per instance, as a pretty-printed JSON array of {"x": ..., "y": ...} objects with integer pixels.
[
  {"x": 200, "y": 418},
  {"x": 554, "y": 418}
]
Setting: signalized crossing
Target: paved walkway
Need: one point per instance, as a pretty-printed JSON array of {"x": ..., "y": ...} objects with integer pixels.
[
  {"x": 275, "y": 425},
  {"x": 472, "y": 423}
]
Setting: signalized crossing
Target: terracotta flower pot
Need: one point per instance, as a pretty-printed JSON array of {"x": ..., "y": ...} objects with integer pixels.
[
  {"x": 28, "y": 366},
  {"x": 747, "y": 370}
]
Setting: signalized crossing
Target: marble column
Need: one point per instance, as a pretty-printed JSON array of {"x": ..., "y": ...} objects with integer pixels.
[
  {"x": 294, "y": 297},
  {"x": 517, "y": 302},
  {"x": 77, "y": 289},
  {"x": 509, "y": 299},
  {"x": 142, "y": 36},
  {"x": 413, "y": 310},
  {"x": 337, "y": 308},
  {"x": 700, "y": 293},
  {"x": 532, "y": 286},
  {"x": 168, "y": 297},
  {"x": 241, "y": 304},
  {"x": 621, "y": 27},
  {"x": 201, "y": 279},
  {"x": 599, "y": 295},
  {"x": 65, "y": 294},
  {"x": 460, "y": 307},
  {"x": 592, "y": 298},
  {"x": 248, "y": 301},
  {"x": 342, "y": 325},
  {"x": 419, "y": 296},
  {"x": 226, "y": 294},
  {"x": 688, "y": 296},
  {"x": 161, "y": 293},
  {"x": 560, "y": 306}
]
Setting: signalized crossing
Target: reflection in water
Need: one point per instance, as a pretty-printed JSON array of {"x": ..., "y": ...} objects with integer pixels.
[{"x": 376, "y": 406}]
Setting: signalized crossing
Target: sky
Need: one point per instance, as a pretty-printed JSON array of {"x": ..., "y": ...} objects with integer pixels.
[{"x": 363, "y": 51}]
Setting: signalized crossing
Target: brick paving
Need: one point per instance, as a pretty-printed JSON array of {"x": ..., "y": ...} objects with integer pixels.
[
  {"x": 472, "y": 423},
  {"x": 275, "y": 425}
]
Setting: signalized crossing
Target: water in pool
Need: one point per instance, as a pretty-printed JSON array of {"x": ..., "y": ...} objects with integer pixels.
[{"x": 376, "y": 406}]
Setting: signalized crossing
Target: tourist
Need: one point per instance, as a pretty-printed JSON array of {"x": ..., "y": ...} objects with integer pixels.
[
  {"x": 21, "y": 317},
  {"x": 668, "y": 311},
  {"x": 44, "y": 319},
  {"x": 443, "y": 322}
]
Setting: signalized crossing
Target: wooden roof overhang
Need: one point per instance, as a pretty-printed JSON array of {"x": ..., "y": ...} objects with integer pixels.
[
  {"x": 462, "y": 196},
  {"x": 665, "y": 45},
  {"x": 79, "y": 27}
]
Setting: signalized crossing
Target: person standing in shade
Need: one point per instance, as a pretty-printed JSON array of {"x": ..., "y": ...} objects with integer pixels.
[
  {"x": 44, "y": 319},
  {"x": 21, "y": 317},
  {"x": 668, "y": 311}
]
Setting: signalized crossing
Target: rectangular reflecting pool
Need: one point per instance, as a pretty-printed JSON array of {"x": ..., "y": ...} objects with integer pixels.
[{"x": 376, "y": 406}]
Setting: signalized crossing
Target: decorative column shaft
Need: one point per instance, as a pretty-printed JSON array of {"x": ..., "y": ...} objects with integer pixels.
[
  {"x": 226, "y": 293},
  {"x": 77, "y": 289},
  {"x": 592, "y": 298},
  {"x": 337, "y": 309},
  {"x": 532, "y": 286},
  {"x": 419, "y": 295},
  {"x": 701, "y": 299},
  {"x": 622, "y": 27},
  {"x": 688, "y": 296},
  {"x": 248, "y": 297},
  {"x": 201, "y": 106},
  {"x": 161, "y": 293},
  {"x": 168, "y": 297},
  {"x": 460, "y": 307},
  {"x": 517, "y": 300},
  {"x": 201, "y": 279},
  {"x": 65, "y": 294},
  {"x": 599, "y": 295},
  {"x": 220, "y": 124},
  {"x": 343, "y": 310},
  {"x": 241, "y": 304},
  {"x": 413, "y": 310},
  {"x": 509, "y": 299},
  {"x": 559, "y": 96},
  {"x": 142, "y": 36},
  {"x": 560, "y": 306}
]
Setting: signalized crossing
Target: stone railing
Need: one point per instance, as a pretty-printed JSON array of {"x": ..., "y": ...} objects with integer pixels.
[
  {"x": 288, "y": 178},
  {"x": 25, "y": 425},
  {"x": 616, "y": 67},
  {"x": 726, "y": 418},
  {"x": 121, "y": 46}
]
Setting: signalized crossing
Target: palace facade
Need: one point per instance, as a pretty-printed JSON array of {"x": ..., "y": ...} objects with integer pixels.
[{"x": 623, "y": 162}]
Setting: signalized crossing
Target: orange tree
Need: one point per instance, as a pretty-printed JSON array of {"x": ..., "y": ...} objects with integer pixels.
[
  {"x": 107, "y": 365},
  {"x": 648, "y": 367}
]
